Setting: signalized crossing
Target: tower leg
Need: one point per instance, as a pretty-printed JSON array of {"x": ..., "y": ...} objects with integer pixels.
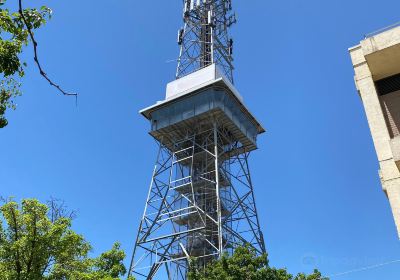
[{"x": 217, "y": 190}]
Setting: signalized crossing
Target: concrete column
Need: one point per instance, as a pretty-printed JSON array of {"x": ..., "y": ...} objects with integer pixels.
[
  {"x": 373, "y": 110},
  {"x": 392, "y": 189}
]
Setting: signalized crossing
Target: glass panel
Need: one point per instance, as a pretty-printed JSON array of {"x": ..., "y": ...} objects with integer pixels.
[{"x": 201, "y": 103}]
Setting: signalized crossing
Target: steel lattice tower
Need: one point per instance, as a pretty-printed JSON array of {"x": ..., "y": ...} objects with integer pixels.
[{"x": 201, "y": 201}]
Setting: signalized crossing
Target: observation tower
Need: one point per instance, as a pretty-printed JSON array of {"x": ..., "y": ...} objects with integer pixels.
[{"x": 201, "y": 202}]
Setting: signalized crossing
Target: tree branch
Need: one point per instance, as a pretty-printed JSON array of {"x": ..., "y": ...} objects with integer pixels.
[
  {"x": 16, "y": 238},
  {"x": 35, "y": 44},
  {"x": 58, "y": 210},
  {"x": 32, "y": 253}
]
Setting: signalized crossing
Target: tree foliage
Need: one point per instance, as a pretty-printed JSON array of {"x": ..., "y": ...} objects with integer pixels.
[
  {"x": 37, "y": 243},
  {"x": 14, "y": 35},
  {"x": 244, "y": 264}
]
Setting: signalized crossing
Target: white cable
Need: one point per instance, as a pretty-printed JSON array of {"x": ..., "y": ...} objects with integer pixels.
[{"x": 360, "y": 269}]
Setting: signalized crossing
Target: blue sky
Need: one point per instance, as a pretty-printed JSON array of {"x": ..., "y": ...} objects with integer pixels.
[{"x": 316, "y": 174}]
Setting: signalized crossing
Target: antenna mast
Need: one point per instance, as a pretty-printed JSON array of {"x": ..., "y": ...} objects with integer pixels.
[{"x": 205, "y": 39}]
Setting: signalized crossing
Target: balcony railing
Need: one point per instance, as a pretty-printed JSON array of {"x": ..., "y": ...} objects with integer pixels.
[{"x": 369, "y": 35}]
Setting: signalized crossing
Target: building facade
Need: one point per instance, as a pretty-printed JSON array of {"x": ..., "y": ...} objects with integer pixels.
[{"x": 376, "y": 62}]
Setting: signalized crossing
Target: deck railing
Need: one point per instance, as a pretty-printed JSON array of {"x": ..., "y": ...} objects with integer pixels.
[{"x": 369, "y": 35}]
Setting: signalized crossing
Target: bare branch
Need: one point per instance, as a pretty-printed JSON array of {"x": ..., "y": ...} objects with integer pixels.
[
  {"x": 35, "y": 44},
  {"x": 4, "y": 200},
  {"x": 58, "y": 209}
]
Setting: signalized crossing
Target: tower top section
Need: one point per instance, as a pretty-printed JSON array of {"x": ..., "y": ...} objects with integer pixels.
[{"x": 204, "y": 38}]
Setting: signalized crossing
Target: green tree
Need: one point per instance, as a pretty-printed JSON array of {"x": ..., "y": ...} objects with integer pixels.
[
  {"x": 37, "y": 243},
  {"x": 17, "y": 29},
  {"x": 244, "y": 264}
]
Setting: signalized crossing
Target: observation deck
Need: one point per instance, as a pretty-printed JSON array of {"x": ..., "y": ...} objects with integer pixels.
[{"x": 192, "y": 101}]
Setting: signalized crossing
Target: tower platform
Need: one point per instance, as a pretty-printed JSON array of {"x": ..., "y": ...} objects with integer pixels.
[{"x": 192, "y": 100}]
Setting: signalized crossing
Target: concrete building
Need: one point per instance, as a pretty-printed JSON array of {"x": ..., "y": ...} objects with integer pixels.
[{"x": 376, "y": 62}]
